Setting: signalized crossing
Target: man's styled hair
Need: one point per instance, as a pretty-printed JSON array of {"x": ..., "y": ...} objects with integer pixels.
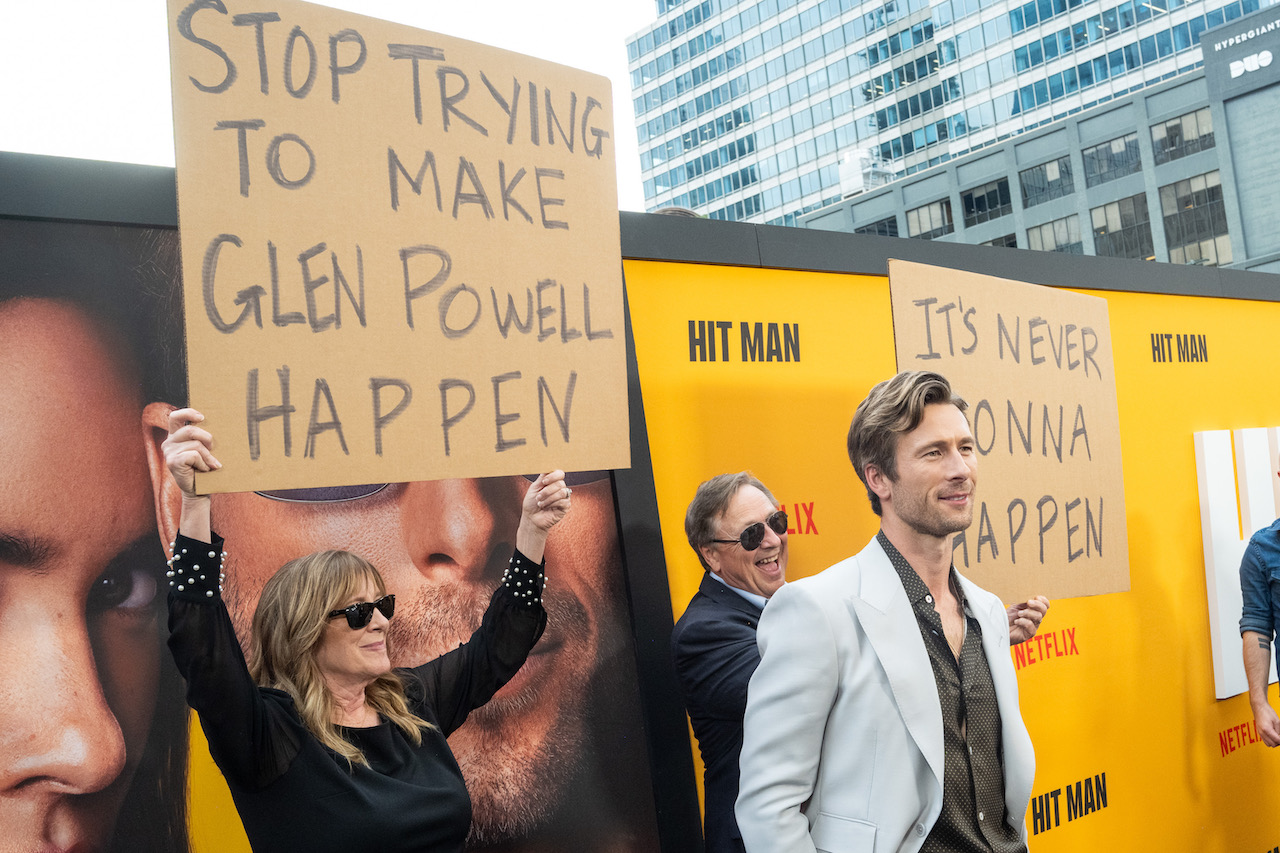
[
  {"x": 710, "y": 502},
  {"x": 893, "y": 408},
  {"x": 292, "y": 614}
]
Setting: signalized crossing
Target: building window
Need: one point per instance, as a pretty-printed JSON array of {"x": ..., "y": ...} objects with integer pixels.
[
  {"x": 1122, "y": 229},
  {"x": 1008, "y": 241},
  {"x": 987, "y": 202},
  {"x": 1047, "y": 181},
  {"x": 1111, "y": 160},
  {"x": 887, "y": 227},
  {"x": 931, "y": 220},
  {"x": 1195, "y": 222},
  {"x": 1187, "y": 134},
  {"x": 1060, "y": 235}
]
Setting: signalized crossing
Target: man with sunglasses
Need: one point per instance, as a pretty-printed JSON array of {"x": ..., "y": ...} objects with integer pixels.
[
  {"x": 883, "y": 715},
  {"x": 735, "y": 527},
  {"x": 714, "y": 642}
]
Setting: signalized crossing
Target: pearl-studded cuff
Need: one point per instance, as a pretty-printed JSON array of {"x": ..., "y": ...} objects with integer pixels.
[
  {"x": 525, "y": 579},
  {"x": 195, "y": 568}
]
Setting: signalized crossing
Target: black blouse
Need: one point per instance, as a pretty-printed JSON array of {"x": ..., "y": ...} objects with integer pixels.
[{"x": 293, "y": 793}]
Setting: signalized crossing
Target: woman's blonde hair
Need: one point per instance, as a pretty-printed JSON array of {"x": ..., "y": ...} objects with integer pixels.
[{"x": 290, "y": 619}]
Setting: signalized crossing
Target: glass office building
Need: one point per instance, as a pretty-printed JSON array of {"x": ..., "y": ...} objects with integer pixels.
[
  {"x": 763, "y": 110},
  {"x": 1181, "y": 171}
]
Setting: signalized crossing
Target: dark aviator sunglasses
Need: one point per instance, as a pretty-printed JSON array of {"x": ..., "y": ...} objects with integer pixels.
[
  {"x": 751, "y": 538},
  {"x": 359, "y": 614}
]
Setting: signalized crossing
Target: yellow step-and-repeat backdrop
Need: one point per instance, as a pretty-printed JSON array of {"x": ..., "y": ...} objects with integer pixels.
[{"x": 746, "y": 368}]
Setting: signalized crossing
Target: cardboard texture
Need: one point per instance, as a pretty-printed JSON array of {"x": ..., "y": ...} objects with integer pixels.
[
  {"x": 400, "y": 251},
  {"x": 1035, "y": 365}
]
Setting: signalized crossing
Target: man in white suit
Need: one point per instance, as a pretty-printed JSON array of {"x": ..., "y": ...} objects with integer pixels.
[{"x": 884, "y": 713}]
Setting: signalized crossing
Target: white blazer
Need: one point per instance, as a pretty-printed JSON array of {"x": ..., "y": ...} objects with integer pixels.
[{"x": 843, "y": 746}]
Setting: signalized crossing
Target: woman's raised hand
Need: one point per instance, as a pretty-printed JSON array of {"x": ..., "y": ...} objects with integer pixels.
[
  {"x": 188, "y": 449},
  {"x": 546, "y": 501}
]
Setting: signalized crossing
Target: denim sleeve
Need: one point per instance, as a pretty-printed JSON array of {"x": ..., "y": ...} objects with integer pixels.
[{"x": 1255, "y": 589}]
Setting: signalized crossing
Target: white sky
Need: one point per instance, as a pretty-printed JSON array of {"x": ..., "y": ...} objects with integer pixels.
[{"x": 90, "y": 78}]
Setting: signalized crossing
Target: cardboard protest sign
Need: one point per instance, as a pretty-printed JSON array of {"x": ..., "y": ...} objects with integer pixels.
[
  {"x": 1035, "y": 365},
  {"x": 400, "y": 251}
]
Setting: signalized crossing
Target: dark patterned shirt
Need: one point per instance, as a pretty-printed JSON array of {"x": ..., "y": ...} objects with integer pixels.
[{"x": 973, "y": 814}]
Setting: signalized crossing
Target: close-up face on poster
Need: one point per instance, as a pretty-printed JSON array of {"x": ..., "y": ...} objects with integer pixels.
[{"x": 93, "y": 727}]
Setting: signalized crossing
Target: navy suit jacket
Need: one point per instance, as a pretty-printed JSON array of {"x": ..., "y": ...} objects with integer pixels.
[{"x": 714, "y": 647}]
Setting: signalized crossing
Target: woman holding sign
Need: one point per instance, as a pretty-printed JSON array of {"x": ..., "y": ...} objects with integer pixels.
[{"x": 323, "y": 745}]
